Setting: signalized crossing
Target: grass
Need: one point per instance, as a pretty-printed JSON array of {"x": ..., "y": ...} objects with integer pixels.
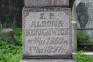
[
  {"x": 11, "y": 53},
  {"x": 81, "y": 57}
]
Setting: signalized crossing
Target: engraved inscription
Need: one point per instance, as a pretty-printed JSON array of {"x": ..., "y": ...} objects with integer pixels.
[{"x": 47, "y": 33}]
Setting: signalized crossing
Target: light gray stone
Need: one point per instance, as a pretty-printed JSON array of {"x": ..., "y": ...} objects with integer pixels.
[
  {"x": 49, "y": 60},
  {"x": 83, "y": 13},
  {"x": 8, "y": 35},
  {"x": 74, "y": 36},
  {"x": 47, "y": 32},
  {"x": 39, "y": 3}
]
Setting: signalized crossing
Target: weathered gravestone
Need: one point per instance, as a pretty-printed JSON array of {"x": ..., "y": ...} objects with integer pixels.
[
  {"x": 83, "y": 13},
  {"x": 38, "y": 3},
  {"x": 8, "y": 35},
  {"x": 47, "y": 34}
]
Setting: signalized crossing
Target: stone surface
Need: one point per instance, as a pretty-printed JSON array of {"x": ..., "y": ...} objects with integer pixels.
[
  {"x": 49, "y": 60},
  {"x": 8, "y": 35},
  {"x": 83, "y": 13},
  {"x": 31, "y": 3},
  {"x": 47, "y": 32},
  {"x": 74, "y": 38}
]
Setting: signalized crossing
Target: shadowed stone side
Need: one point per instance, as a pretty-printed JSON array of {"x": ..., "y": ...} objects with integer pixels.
[
  {"x": 32, "y": 3},
  {"x": 49, "y": 60}
]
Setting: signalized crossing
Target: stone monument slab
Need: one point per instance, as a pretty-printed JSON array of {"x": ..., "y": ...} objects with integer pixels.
[
  {"x": 32, "y": 3},
  {"x": 47, "y": 32}
]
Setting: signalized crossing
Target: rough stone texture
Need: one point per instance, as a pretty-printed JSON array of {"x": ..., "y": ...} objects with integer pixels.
[
  {"x": 32, "y": 3},
  {"x": 49, "y": 60},
  {"x": 74, "y": 38},
  {"x": 83, "y": 13},
  {"x": 8, "y": 35},
  {"x": 32, "y": 44}
]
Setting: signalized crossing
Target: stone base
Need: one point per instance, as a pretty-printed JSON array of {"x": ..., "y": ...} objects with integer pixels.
[{"x": 48, "y": 60}]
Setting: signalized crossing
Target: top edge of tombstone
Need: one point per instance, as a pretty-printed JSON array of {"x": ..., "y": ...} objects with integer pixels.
[
  {"x": 47, "y": 3},
  {"x": 46, "y": 9}
]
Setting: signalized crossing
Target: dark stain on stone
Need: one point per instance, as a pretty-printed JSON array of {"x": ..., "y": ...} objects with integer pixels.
[{"x": 82, "y": 14}]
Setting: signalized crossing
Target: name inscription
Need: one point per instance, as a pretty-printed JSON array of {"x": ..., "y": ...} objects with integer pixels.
[{"x": 47, "y": 33}]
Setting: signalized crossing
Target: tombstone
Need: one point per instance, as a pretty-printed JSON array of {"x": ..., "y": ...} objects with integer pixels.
[
  {"x": 42, "y": 3},
  {"x": 83, "y": 13},
  {"x": 8, "y": 35},
  {"x": 47, "y": 32}
]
